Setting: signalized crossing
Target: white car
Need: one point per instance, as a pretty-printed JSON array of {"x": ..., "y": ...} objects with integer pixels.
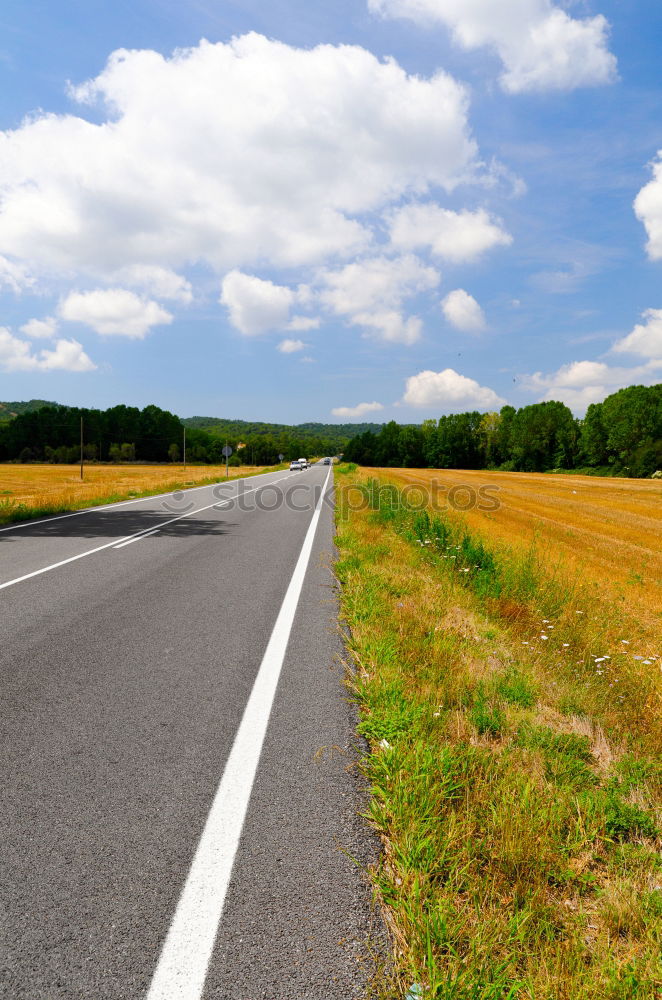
[
  {"x": 303, "y": 462},
  {"x": 296, "y": 466}
]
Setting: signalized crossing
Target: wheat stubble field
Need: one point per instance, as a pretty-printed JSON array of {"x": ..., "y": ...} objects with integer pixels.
[
  {"x": 605, "y": 532},
  {"x": 507, "y": 666},
  {"x": 29, "y": 490}
]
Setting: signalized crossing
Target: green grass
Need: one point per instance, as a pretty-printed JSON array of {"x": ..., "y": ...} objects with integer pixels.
[{"x": 515, "y": 786}]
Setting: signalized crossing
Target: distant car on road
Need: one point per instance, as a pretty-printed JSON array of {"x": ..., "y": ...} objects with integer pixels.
[
  {"x": 303, "y": 462},
  {"x": 327, "y": 461},
  {"x": 296, "y": 466}
]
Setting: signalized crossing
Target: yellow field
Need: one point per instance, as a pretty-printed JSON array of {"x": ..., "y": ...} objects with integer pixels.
[
  {"x": 60, "y": 486},
  {"x": 606, "y": 532}
]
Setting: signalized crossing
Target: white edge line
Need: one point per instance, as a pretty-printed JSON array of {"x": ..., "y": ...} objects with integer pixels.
[
  {"x": 123, "y": 503},
  {"x": 137, "y": 534},
  {"x": 182, "y": 967}
]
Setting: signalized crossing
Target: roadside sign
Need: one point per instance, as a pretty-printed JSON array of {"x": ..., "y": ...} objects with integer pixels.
[
  {"x": 226, "y": 452},
  {"x": 280, "y": 458}
]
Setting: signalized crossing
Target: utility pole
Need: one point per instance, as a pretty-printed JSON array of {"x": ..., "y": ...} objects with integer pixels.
[
  {"x": 185, "y": 449},
  {"x": 81, "y": 448}
]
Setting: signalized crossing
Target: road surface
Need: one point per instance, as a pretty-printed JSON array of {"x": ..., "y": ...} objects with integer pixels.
[{"x": 179, "y": 806}]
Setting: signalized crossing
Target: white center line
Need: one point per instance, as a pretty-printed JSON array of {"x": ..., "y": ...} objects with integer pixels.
[
  {"x": 182, "y": 967},
  {"x": 136, "y": 538},
  {"x": 107, "y": 545}
]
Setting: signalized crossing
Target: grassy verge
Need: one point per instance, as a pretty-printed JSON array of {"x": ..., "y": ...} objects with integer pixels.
[
  {"x": 514, "y": 765},
  {"x": 12, "y": 512}
]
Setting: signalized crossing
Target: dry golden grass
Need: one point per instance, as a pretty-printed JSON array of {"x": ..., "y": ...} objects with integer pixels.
[
  {"x": 606, "y": 532},
  {"x": 40, "y": 486}
]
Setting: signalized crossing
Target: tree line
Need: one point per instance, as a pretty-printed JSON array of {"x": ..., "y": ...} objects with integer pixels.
[
  {"x": 620, "y": 436},
  {"x": 242, "y": 429},
  {"x": 125, "y": 433}
]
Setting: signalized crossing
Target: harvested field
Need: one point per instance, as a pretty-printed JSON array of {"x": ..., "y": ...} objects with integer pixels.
[
  {"x": 47, "y": 488},
  {"x": 511, "y": 702},
  {"x": 608, "y": 532}
]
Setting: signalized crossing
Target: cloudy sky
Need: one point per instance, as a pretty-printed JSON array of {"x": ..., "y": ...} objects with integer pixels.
[{"x": 365, "y": 209}]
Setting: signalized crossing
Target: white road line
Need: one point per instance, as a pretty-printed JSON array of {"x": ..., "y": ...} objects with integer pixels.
[
  {"x": 123, "y": 503},
  {"x": 136, "y": 538},
  {"x": 182, "y": 966},
  {"x": 107, "y": 545}
]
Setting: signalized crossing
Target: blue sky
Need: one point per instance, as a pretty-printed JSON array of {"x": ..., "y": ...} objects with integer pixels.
[{"x": 370, "y": 210}]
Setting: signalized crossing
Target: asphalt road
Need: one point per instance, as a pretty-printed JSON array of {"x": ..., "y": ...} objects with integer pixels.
[{"x": 133, "y": 640}]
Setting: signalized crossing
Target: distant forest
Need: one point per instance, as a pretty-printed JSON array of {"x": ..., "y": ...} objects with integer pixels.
[
  {"x": 9, "y": 410},
  {"x": 45, "y": 432},
  {"x": 620, "y": 436},
  {"x": 246, "y": 428}
]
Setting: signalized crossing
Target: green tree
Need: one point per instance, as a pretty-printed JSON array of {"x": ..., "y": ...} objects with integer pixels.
[
  {"x": 488, "y": 435},
  {"x": 593, "y": 436},
  {"x": 503, "y": 443},
  {"x": 633, "y": 419},
  {"x": 543, "y": 436}
]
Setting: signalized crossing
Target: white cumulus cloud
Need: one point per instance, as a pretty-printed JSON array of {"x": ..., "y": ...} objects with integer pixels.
[
  {"x": 648, "y": 209},
  {"x": 645, "y": 339},
  {"x": 303, "y": 322},
  {"x": 463, "y": 312},
  {"x": 580, "y": 383},
  {"x": 540, "y": 45},
  {"x": 288, "y": 346},
  {"x": 67, "y": 355},
  {"x": 114, "y": 312},
  {"x": 390, "y": 326},
  {"x": 578, "y": 400},
  {"x": 454, "y": 236},
  {"x": 40, "y": 329},
  {"x": 576, "y": 375},
  {"x": 159, "y": 281},
  {"x": 448, "y": 390},
  {"x": 255, "y": 305},
  {"x": 12, "y": 274},
  {"x": 371, "y": 293},
  {"x": 231, "y": 154},
  {"x": 360, "y": 410}
]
